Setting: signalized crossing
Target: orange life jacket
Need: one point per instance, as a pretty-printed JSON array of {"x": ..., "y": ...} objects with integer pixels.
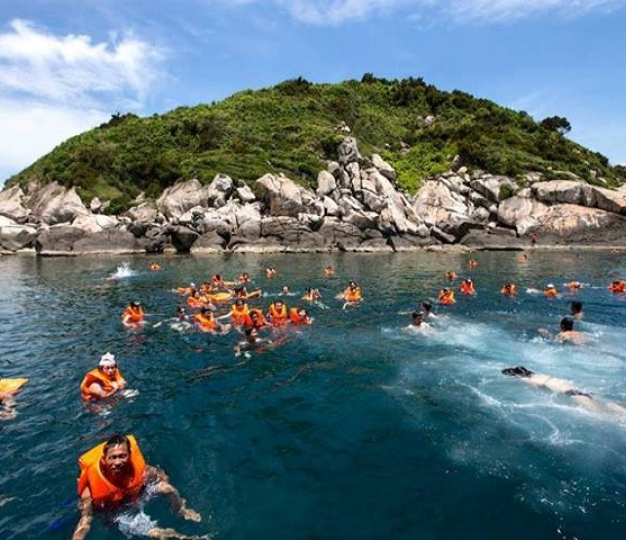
[
  {"x": 467, "y": 287},
  {"x": 352, "y": 295},
  {"x": 278, "y": 316},
  {"x": 97, "y": 376},
  {"x": 296, "y": 319},
  {"x": 509, "y": 289},
  {"x": 260, "y": 319},
  {"x": 551, "y": 292},
  {"x": 618, "y": 287},
  {"x": 446, "y": 297},
  {"x": 239, "y": 315},
  {"x": 104, "y": 493},
  {"x": 207, "y": 322},
  {"x": 133, "y": 314}
]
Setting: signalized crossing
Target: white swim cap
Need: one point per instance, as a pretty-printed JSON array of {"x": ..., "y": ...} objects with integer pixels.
[{"x": 107, "y": 360}]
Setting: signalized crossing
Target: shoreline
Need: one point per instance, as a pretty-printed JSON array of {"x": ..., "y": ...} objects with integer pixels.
[{"x": 256, "y": 250}]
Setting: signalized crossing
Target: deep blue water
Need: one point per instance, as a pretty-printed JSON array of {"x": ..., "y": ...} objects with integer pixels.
[{"x": 355, "y": 427}]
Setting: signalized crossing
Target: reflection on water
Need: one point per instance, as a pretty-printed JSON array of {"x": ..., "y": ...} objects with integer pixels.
[{"x": 353, "y": 427}]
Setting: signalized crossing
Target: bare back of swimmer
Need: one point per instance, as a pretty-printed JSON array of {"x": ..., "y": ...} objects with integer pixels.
[{"x": 560, "y": 386}]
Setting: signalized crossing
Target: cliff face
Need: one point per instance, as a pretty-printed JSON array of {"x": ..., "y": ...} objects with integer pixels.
[{"x": 357, "y": 207}]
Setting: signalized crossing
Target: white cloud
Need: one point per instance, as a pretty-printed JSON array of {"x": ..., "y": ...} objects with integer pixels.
[
  {"x": 500, "y": 10},
  {"x": 69, "y": 68},
  {"x": 53, "y": 87},
  {"x": 332, "y": 12}
]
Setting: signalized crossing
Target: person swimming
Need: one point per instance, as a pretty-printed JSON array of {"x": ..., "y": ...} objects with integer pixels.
[{"x": 560, "y": 386}]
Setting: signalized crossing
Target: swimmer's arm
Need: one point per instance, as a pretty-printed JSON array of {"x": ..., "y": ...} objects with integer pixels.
[
  {"x": 97, "y": 390},
  {"x": 163, "y": 486},
  {"x": 86, "y": 513}
]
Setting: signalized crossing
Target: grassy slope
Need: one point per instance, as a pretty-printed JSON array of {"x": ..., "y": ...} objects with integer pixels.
[{"x": 292, "y": 128}]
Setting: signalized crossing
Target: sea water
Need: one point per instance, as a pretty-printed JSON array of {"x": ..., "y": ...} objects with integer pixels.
[{"x": 353, "y": 427}]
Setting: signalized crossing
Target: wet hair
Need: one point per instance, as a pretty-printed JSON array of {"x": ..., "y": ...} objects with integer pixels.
[
  {"x": 517, "y": 371},
  {"x": 427, "y": 305},
  {"x": 116, "y": 440},
  {"x": 567, "y": 324},
  {"x": 576, "y": 306}
]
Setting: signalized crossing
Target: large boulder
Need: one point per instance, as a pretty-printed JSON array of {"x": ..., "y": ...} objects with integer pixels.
[
  {"x": 385, "y": 169},
  {"x": 283, "y": 197},
  {"x": 14, "y": 237},
  {"x": 437, "y": 205},
  {"x": 522, "y": 213},
  {"x": 326, "y": 183},
  {"x": 107, "y": 241},
  {"x": 58, "y": 240},
  {"x": 219, "y": 190},
  {"x": 180, "y": 198},
  {"x": 563, "y": 191},
  {"x": 95, "y": 222},
  {"x": 182, "y": 238},
  {"x": 348, "y": 152},
  {"x": 55, "y": 204},
  {"x": 11, "y": 204}
]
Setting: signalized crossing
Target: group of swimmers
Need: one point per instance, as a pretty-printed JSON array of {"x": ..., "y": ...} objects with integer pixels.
[
  {"x": 565, "y": 334},
  {"x": 115, "y": 472}
]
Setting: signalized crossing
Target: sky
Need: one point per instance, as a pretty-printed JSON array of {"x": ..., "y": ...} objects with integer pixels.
[{"x": 66, "y": 66}]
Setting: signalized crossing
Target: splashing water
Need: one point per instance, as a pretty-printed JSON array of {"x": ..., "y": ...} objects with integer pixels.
[{"x": 123, "y": 271}]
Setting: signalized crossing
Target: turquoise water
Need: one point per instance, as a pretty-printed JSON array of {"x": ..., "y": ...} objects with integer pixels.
[{"x": 355, "y": 427}]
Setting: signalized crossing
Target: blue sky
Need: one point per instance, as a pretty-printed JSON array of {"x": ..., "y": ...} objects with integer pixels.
[{"x": 67, "y": 66}]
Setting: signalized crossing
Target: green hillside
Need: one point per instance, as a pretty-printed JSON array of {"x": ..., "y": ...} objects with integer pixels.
[{"x": 292, "y": 128}]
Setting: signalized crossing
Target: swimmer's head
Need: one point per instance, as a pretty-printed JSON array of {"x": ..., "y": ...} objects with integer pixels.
[
  {"x": 567, "y": 324},
  {"x": 427, "y": 305},
  {"x": 576, "y": 307},
  {"x": 517, "y": 371}
]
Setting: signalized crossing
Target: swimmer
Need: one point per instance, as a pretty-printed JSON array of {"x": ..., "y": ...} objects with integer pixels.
[
  {"x": 255, "y": 343},
  {"x": 563, "y": 387},
  {"x": 550, "y": 291},
  {"x": 352, "y": 294},
  {"x": 566, "y": 332},
  {"x": 450, "y": 275},
  {"x": 417, "y": 322},
  {"x": 285, "y": 291},
  {"x": 508, "y": 289},
  {"x": 133, "y": 314},
  {"x": 113, "y": 474},
  {"x": 270, "y": 272},
  {"x": 329, "y": 271},
  {"x": 103, "y": 381},
  {"x": 576, "y": 309},
  {"x": 427, "y": 307},
  {"x": 205, "y": 321},
  {"x": 467, "y": 287},
  {"x": 277, "y": 313},
  {"x": 446, "y": 296},
  {"x": 299, "y": 315}
]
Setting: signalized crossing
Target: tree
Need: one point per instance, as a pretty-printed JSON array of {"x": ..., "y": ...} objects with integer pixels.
[{"x": 559, "y": 124}]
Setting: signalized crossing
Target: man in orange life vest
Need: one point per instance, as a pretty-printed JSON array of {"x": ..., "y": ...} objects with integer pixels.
[{"x": 115, "y": 473}]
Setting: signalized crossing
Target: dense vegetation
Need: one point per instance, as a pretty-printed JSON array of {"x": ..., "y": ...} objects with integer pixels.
[{"x": 293, "y": 128}]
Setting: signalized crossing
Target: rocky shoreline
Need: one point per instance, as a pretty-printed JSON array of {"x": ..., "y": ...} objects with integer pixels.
[{"x": 357, "y": 207}]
